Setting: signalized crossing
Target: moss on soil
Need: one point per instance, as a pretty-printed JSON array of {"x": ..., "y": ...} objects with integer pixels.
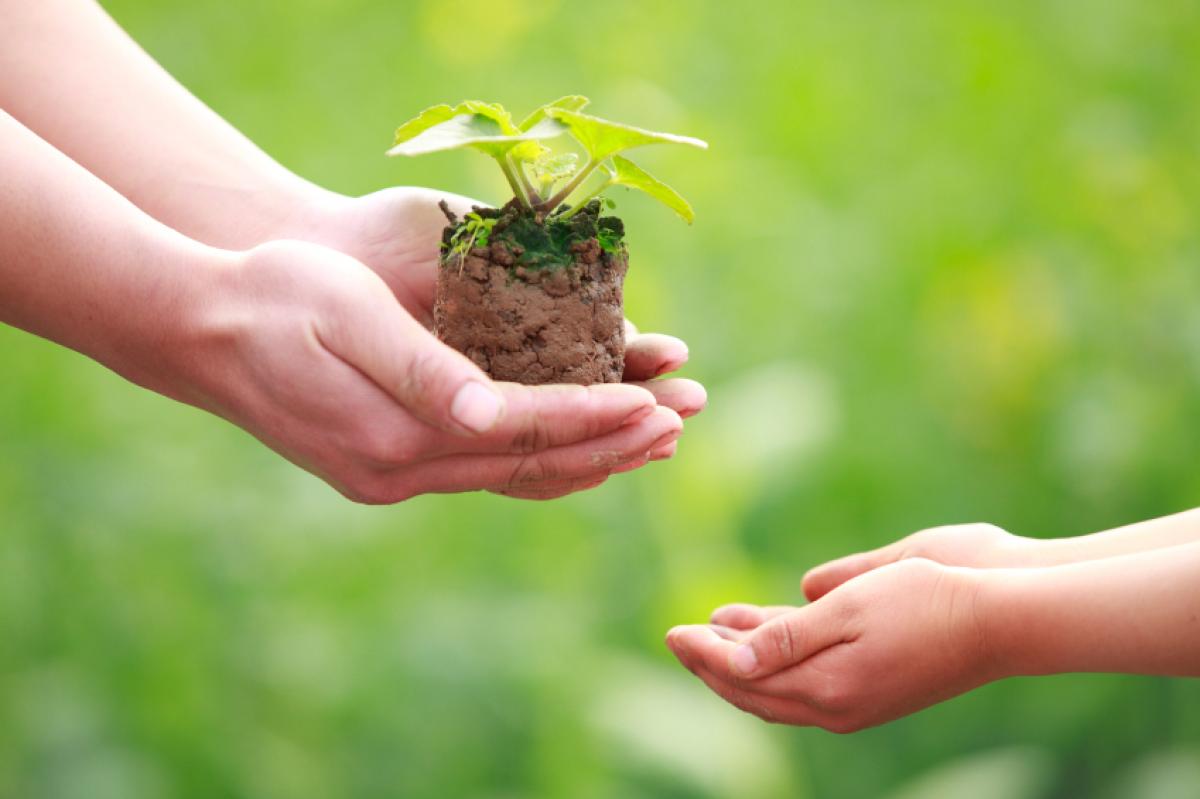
[{"x": 545, "y": 243}]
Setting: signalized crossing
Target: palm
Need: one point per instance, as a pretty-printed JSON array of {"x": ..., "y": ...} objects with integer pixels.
[{"x": 396, "y": 233}]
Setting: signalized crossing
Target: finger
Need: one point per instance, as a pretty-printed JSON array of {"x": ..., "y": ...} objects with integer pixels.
[
  {"x": 773, "y": 709},
  {"x": 686, "y": 397},
  {"x": 587, "y": 459},
  {"x": 554, "y": 490},
  {"x": 632, "y": 465},
  {"x": 422, "y": 211},
  {"x": 665, "y": 453},
  {"x": 648, "y": 355},
  {"x": 699, "y": 645},
  {"x": 728, "y": 633},
  {"x": 542, "y": 417},
  {"x": 787, "y": 640},
  {"x": 694, "y": 646},
  {"x": 822, "y": 579},
  {"x": 433, "y": 382},
  {"x": 746, "y": 617}
]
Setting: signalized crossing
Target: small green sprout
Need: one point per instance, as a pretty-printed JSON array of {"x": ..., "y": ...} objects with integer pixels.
[
  {"x": 475, "y": 232},
  {"x": 541, "y": 180}
]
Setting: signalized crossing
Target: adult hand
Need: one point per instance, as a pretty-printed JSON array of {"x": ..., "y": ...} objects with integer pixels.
[
  {"x": 397, "y": 231},
  {"x": 309, "y": 351},
  {"x": 880, "y": 646}
]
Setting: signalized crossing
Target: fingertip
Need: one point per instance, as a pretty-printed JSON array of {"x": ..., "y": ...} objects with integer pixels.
[
  {"x": 812, "y": 584},
  {"x": 665, "y": 453},
  {"x": 670, "y": 417},
  {"x": 821, "y": 580},
  {"x": 697, "y": 396},
  {"x": 649, "y": 355},
  {"x": 677, "y": 637},
  {"x": 637, "y": 398},
  {"x": 686, "y": 397},
  {"x": 735, "y": 614}
]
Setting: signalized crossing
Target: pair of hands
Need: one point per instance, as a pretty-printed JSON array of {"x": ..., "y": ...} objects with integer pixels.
[
  {"x": 886, "y": 633},
  {"x": 318, "y": 345}
]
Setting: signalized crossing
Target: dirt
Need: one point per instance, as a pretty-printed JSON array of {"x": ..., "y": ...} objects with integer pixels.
[{"x": 537, "y": 314}]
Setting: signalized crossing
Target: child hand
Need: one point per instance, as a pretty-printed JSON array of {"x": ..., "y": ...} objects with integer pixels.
[
  {"x": 877, "y": 647},
  {"x": 973, "y": 545}
]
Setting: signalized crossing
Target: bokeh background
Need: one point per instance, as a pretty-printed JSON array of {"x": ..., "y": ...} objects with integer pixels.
[{"x": 945, "y": 268}]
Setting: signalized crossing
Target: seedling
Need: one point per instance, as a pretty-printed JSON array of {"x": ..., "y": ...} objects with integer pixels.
[
  {"x": 532, "y": 170},
  {"x": 536, "y": 292}
]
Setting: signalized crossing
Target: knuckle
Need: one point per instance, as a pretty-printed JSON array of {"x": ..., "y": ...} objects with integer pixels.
[
  {"x": 917, "y": 567},
  {"x": 782, "y": 640},
  {"x": 532, "y": 437},
  {"x": 373, "y": 491},
  {"x": 415, "y": 376},
  {"x": 834, "y": 695},
  {"x": 381, "y": 446},
  {"x": 986, "y": 531},
  {"x": 529, "y": 470},
  {"x": 367, "y": 444}
]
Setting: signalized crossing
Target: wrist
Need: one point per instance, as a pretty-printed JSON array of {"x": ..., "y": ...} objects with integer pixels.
[
  {"x": 160, "y": 348},
  {"x": 283, "y": 207},
  {"x": 1012, "y": 606}
]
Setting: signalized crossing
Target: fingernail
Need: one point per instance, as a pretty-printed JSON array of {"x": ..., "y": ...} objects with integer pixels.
[
  {"x": 744, "y": 660},
  {"x": 665, "y": 440},
  {"x": 664, "y": 453},
  {"x": 670, "y": 366},
  {"x": 476, "y": 407},
  {"x": 638, "y": 415}
]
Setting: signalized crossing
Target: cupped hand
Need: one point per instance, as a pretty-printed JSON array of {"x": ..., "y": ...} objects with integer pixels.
[
  {"x": 878, "y": 647},
  {"x": 309, "y": 351},
  {"x": 973, "y": 545},
  {"x": 397, "y": 232}
]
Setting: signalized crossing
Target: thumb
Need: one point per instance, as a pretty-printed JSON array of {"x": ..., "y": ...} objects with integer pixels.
[
  {"x": 822, "y": 579},
  {"x": 435, "y": 383},
  {"x": 786, "y": 640}
]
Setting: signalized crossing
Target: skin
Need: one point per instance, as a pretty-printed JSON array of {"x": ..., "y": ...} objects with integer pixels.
[
  {"x": 294, "y": 312},
  {"x": 891, "y": 631}
]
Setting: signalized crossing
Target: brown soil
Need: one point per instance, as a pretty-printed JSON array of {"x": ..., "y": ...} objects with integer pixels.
[{"x": 549, "y": 325}]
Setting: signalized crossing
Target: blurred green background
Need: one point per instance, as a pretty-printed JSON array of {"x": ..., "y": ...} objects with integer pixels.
[{"x": 946, "y": 268}]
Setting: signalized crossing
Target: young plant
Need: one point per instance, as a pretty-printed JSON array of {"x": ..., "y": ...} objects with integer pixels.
[
  {"x": 532, "y": 291},
  {"x": 543, "y": 182}
]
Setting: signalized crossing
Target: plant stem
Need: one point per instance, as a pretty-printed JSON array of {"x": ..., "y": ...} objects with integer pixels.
[
  {"x": 530, "y": 191},
  {"x": 518, "y": 192},
  {"x": 558, "y": 199},
  {"x": 585, "y": 200}
]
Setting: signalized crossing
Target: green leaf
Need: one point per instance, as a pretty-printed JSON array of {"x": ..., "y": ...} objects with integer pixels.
[
  {"x": 572, "y": 102},
  {"x": 423, "y": 121},
  {"x": 602, "y": 138},
  {"x": 624, "y": 172},
  {"x": 485, "y": 126},
  {"x": 549, "y": 169},
  {"x": 532, "y": 151}
]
